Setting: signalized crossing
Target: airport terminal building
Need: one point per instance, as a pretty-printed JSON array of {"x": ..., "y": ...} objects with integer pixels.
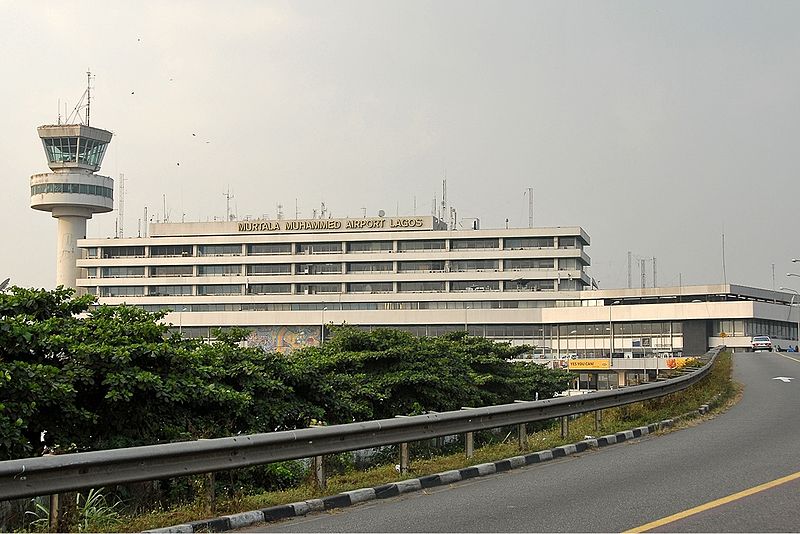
[{"x": 285, "y": 279}]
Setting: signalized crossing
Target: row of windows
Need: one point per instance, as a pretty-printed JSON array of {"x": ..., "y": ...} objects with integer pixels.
[
  {"x": 319, "y": 288},
  {"x": 366, "y": 306},
  {"x": 754, "y": 327},
  {"x": 334, "y": 247},
  {"x": 83, "y": 189},
  {"x": 74, "y": 149},
  {"x": 339, "y": 268}
]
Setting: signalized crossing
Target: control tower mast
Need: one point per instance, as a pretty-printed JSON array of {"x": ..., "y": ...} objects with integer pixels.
[{"x": 72, "y": 193}]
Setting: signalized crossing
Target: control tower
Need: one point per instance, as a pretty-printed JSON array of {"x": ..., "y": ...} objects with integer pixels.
[{"x": 72, "y": 193}]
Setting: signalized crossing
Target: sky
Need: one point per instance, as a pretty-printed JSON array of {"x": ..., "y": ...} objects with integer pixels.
[{"x": 658, "y": 127}]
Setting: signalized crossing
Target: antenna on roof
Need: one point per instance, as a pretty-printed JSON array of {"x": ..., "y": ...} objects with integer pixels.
[
  {"x": 445, "y": 211},
  {"x": 88, "y": 94},
  {"x": 529, "y": 192},
  {"x": 121, "y": 208},
  {"x": 228, "y": 197}
]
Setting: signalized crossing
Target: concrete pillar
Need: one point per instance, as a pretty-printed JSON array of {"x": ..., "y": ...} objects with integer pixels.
[{"x": 71, "y": 227}]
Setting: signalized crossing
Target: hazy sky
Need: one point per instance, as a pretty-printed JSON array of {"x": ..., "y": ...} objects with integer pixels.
[{"x": 656, "y": 126}]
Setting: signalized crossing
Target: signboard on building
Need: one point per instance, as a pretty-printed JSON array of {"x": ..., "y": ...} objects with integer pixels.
[
  {"x": 582, "y": 364},
  {"x": 336, "y": 225}
]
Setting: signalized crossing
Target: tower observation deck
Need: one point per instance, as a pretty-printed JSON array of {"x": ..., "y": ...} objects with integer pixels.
[{"x": 72, "y": 193}]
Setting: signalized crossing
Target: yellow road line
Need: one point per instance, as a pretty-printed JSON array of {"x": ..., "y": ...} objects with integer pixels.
[
  {"x": 713, "y": 504},
  {"x": 789, "y": 357}
]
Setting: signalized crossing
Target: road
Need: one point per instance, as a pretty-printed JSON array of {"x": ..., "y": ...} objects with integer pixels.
[{"x": 629, "y": 485}]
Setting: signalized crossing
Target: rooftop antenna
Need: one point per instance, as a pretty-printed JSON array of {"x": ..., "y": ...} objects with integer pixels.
[
  {"x": 364, "y": 212},
  {"x": 296, "y": 210},
  {"x": 529, "y": 192},
  {"x": 415, "y": 204},
  {"x": 724, "y": 275},
  {"x": 629, "y": 269},
  {"x": 228, "y": 198},
  {"x": 88, "y": 94},
  {"x": 280, "y": 211},
  {"x": 445, "y": 212},
  {"x": 59, "y": 111},
  {"x": 121, "y": 212},
  {"x": 655, "y": 271}
]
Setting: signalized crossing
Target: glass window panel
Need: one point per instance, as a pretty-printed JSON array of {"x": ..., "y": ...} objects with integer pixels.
[
  {"x": 219, "y": 250},
  {"x": 374, "y": 266},
  {"x": 474, "y": 265},
  {"x": 369, "y": 246},
  {"x": 269, "y": 269},
  {"x": 521, "y": 243},
  {"x": 528, "y": 263},
  {"x": 268, "y": 289},
  {"x": 474, "y": 244},
  {"x": 219, "y": 270},
  {"x": 263, "y": 249},
  {"x": 420, "y": 245},
  {"x": 166, "y": 251},
  {"x": 414, "y": 287},
  {"x": 169, "y": 291},
  {"x": 426, "y": 266},
  {"x": 370, "y": 287},
  {"x": 219, "y": 289}
]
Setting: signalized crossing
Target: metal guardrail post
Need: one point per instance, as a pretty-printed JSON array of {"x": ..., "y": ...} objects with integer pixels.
[
  {"x": 53, "y": 519},
  {"x": 522, "y": 436},
  {"x": 469, "y": 444},
  {"x": 403, "y": 458},
  {"x": 565, "y": 426},
  {"x": 319, "y": 472},
  {"x": 598, "y": 418},
  {"x": 210, "y": 493}
]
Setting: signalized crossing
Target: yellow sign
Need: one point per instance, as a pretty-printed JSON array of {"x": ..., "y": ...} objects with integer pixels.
[{"x": 590, "y": 364}]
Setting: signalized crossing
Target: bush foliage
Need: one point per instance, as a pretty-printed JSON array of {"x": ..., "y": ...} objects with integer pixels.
[{"x": 102, "y": 377}]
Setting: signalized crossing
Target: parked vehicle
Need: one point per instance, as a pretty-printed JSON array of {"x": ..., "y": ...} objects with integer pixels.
[{"x": 762, "y": 343}]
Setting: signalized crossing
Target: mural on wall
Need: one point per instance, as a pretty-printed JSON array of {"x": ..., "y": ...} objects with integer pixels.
[{"x": 283, "y": 338}]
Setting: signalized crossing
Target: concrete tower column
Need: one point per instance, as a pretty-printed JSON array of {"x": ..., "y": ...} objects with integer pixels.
[{"x": 71, "y": 227}]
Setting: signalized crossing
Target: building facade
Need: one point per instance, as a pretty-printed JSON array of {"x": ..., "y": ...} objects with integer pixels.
[{"x": 285, "y": 279}]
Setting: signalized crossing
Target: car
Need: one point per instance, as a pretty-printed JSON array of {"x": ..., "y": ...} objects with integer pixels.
[{"x": 762, "y": 343}]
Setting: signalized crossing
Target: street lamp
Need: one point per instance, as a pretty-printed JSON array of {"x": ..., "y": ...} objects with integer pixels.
[
  {"x": 796, "y": 293},
  {"x": 180, "y": 320},
  {"x": 322, "y": 330}
]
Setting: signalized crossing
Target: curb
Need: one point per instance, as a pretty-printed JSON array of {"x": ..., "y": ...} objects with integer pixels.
[{"x": 385, "y": 491}]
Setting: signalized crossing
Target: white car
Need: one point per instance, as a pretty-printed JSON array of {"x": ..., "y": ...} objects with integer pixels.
[{"x": 762, "y": 343}]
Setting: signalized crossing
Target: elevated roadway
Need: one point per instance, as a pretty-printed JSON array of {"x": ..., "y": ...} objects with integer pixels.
[{"x": 739, "y": 472}]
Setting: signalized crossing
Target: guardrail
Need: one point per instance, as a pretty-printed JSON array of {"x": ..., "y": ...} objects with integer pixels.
[{"x": 48, "y": 475}]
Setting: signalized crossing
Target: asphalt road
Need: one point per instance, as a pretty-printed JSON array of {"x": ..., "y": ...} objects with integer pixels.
[{"x": 625, "y": 486}]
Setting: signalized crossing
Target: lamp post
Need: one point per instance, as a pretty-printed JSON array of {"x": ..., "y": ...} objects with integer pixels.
[
  {"x": 180, "y": 320},
  {"x": 322, "y": 329},
  {"x": 796, "y": 294}
]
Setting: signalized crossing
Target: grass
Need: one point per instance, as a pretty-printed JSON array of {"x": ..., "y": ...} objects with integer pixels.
[{"x": 717, "y": 384}]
